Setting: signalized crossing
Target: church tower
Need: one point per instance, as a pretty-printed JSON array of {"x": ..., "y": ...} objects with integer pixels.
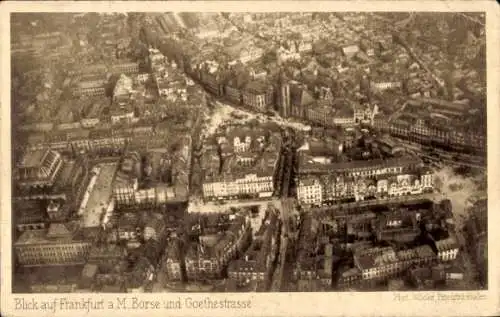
[{"x": 283, "y": 99}]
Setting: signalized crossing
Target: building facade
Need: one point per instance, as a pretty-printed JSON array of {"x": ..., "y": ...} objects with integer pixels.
[
  {"x": 258, "y": 96},
  {"x": 53, "y": 246}
]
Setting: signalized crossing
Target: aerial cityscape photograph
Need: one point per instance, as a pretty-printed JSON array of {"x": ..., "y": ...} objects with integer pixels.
[{"x": 248, "y": 152}]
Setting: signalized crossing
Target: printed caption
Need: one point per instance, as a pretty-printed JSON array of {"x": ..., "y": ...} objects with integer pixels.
[{"x": 127, "y": 303}]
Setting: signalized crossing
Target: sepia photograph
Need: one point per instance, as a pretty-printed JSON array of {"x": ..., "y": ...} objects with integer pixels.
[{"x": 190, "y": 152}]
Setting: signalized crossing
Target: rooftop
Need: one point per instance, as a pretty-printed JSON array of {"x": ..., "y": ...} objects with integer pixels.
[
  {"x": 98, "y": 83},
  {"x": 257, "y": 87},
  {"x": 446, "y": 244},
  {"x": 106, "y": 251},
  {"x": 35, "y": 166},
  {"x": 56, "y": 233},
  {"x": 424, "y": 251},
  {"x": 33, "y": 158},
  {"x": 28, "y": 212},
  {"x": 307, "y": 164},
  {"x": 375, "y": 257}
]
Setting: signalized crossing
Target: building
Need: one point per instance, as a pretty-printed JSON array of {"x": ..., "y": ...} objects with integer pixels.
[
  {"x": 284, "y": 54},
  {"x": 89, "y": 273},
  {"x": 124, "y": 189},
  {"x": 79, "y": 140},
  {"x": 207, "y": 259},
  {"x": 106, "y": 142},
  {"x": 425, "y": 255},
  {"x": 123, "y": 88},
  {"x": 376, "y": 263},
  {"x": 367, "y": 47},
  {"x": 123, "y": 112},
  {"x": 422, "y": 278},
  {"x": 257, "y": 262},
  {"x": 258, "y": 95},
  {"x": 345, "y": 114},
  {"x": 399, "y": 226},
  {"x": 348, "y": 278},
  {"x": 357, "y": 180},
  {"x": 434, "y": 129},
  {"x": 300, "y": 100},
  {"x": 38, "y": 168},
  {"x": 453, "y": 275},
  {"x": 167, "y": 174},
  {"x": 59, "y": 244},
  {"x": 144, "y": 271},
  {"x": 447, "y": 249},
  {"x": 305, "y": 268},
  {"x": 232, "y": 91},
  {"x": 384, "y": 85},
  {"x": 129, "y": 229},
  {"x": 29, "y": 215},
  {"x": 284, "y": 101},
  {"x": 323, "y": 115},
  {"x": 310, "y": 191},
  {"x": 154, "y": 227},
  {"x": 55, "y": 212},
  {"x": 381, "y": 263},
  {"x": 126, "y": 68},
  {"x": 477, "y": 237},
  {"x": 143, "y": 77},
  {"x": 95, "y": 87},
  {"x": 350, "y": 50},
  {"x": 244, "y": 165},
  {"x": 55, "y": 279},
  {"x": 251, "y": 53},
  {"x": 173, "y": 264},
  {"x": 106, "y": 257},
  {"x": 212, "y": 79}
]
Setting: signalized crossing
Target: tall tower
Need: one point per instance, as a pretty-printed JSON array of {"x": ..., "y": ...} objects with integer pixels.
[{"x": 283, "y": 96}]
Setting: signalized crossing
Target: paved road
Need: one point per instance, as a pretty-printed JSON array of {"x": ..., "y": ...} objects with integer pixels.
[{"x": 287, "y": 205}]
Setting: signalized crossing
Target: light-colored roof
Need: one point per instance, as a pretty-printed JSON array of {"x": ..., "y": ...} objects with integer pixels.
[{"x": 58, "y": 230}]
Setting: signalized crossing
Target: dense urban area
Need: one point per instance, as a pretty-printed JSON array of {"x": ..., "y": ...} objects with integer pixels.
[{"x": 260, "y": 152}]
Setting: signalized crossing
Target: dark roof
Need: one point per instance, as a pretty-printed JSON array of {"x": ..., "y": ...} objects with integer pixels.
[
  {"x": 257, "y": 87},
  {"x": 153, "y": 251},
  {"x": 300, "y": 96}
]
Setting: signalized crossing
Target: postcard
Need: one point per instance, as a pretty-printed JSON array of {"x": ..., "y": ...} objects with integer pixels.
[{"x": 250, "y": 158}]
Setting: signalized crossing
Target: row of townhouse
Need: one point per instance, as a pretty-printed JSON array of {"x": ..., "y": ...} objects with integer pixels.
[
  {"x": 315, "y": 190},
  {"x": 318, "y": 184},
  {"x": 92, "y": 140},
  {"x": 382, "y": 263},
  {"x": 426, "y": 131}
]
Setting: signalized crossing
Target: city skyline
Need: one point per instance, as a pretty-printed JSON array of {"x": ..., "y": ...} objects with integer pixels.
[{"x": 249, "y": 152}]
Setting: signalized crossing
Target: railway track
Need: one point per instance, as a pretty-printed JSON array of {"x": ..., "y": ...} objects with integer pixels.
[{"x": 452, "y": 162}]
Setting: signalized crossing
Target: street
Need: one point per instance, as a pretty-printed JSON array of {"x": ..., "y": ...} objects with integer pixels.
[{"x": 286, "y": 211}]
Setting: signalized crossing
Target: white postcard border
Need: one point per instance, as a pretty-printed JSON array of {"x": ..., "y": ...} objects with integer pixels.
[{"x": 269, "y": 304}]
